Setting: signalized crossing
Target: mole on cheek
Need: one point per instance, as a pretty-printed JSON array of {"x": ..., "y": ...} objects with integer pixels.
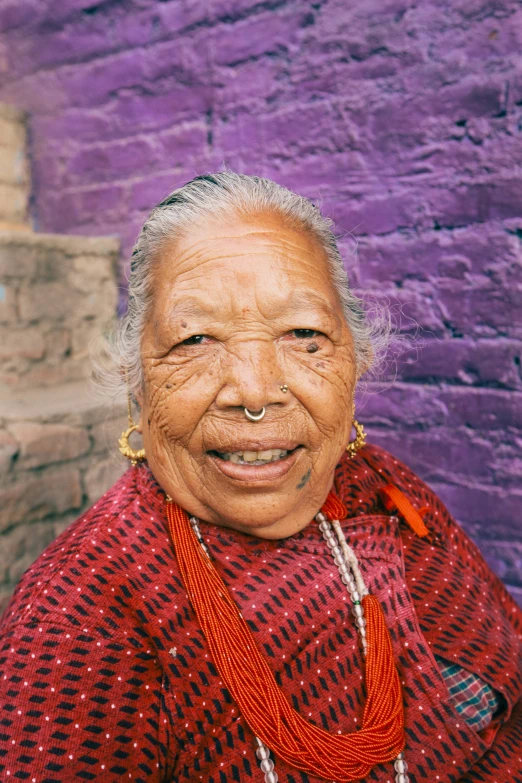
[
  {"x": 312, "y": 348},
  {"x": 183, "y": 323},
  {"x": 168, "y": 386}
]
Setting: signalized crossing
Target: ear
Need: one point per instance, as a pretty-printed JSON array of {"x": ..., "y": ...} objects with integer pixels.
[
  {"x": 352, "y": 401},
  {"x": 139, "y": 400},
  {"x": 366, "y": 363},
  {"x": 138, "y": 397}
]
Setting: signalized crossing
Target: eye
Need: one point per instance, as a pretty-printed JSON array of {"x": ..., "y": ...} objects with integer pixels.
[
  {"x": 305, "y": 334},
  {"x": 196, "y": 339}
]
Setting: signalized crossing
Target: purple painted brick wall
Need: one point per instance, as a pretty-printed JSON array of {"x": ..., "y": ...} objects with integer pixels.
[{"x": 403, "y": 118}]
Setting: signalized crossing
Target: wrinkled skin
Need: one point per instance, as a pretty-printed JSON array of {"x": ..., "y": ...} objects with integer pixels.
[{"x": 242, "y": 286}]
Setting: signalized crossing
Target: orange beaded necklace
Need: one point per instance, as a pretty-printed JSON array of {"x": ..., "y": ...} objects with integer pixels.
[{"x": 252, "y": 685}]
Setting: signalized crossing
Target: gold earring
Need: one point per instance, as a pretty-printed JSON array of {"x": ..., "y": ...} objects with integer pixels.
[
  {"x": 360, "y": 439},
  {"x": 134, "y": 455}
]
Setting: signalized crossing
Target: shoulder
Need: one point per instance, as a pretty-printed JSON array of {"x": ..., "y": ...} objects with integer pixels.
[
  {"x": 389, "y": 470},
  {"x": 88, "y": 575},
  {"x": 360, "y": 483}
]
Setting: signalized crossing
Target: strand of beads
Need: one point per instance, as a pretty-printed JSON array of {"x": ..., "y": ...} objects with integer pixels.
[
  {"x": 195, "y": 527},
  {"x": 262, "y": 752},
  {"x": 266, "y": 764},
  {"x": 340, "y": 552},
  {"x": 350, "y": 557},
  {"x": 346, "y": 561},
  {"x": 401, "y": 769}
]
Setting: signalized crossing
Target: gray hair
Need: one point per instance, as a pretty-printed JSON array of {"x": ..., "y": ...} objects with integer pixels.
[{"x": 216, "y": 196}]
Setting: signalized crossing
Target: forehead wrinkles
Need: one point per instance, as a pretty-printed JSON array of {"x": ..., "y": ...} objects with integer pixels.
[
  {"x": 270, "y": 269},
  {"x": 233, "y": 306},
  {"x": 300, "y": 246}
]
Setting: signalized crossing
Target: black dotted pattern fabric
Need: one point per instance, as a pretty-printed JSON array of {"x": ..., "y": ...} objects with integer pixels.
[{"x": 106, "y": 676}]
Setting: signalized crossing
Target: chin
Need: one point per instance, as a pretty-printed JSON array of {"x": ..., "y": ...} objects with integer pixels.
[{"x": 270, "y": 517}]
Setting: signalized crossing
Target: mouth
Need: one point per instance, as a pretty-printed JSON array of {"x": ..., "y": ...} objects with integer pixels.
[
  {"x": 256, "y": 465},
  {"x": 251, "y": 457}
]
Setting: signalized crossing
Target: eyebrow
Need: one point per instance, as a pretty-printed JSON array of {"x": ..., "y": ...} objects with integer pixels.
[
  {"x": 190, "y": 307},
  {"x": 298, "y": 301}
]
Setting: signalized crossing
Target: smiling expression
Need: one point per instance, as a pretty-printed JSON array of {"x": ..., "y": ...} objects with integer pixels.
[{"x": 239, "y": 308}]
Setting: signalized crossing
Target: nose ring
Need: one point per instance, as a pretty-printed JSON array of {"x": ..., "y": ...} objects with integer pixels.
[
  {"x": 284, "y": 388},
  {"x": 254, "y": 415}
]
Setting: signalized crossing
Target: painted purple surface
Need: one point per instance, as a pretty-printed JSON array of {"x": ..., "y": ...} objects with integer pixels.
[{"x": 403, "y": 119}]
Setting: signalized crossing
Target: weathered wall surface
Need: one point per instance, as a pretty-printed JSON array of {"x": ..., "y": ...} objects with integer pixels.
[
  {"x": 403, "y": 119},
  {"x": 58, "y": 297},
  {"x": 14, "y": 180},
  {"x": 58, "y": 294},
  {"x": 57, "y": 437}
]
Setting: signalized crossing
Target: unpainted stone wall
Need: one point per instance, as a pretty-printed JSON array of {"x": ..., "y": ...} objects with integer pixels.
[
  {"x": 58, "y": 455},
  {"x": 403, "y": 119},
  {"x": 58, "y": 297},
  {"x": 58, "y": 439},
  {"x": 14, "y": 170}
]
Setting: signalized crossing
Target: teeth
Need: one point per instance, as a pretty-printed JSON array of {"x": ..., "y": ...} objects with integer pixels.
[{"x": 249, "y": 457}]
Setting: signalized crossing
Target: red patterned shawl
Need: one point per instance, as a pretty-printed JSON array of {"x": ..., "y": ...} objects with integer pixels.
[{"x": 105, "y": 674}]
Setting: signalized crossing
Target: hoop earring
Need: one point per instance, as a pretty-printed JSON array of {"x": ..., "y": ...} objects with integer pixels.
[
  {"x": 134, "y": 455},
  {"x": 360, "y": 439}
]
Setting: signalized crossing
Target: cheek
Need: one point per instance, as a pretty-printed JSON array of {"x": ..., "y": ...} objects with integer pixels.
[
  {"x": 177, "y": 396},
  {"x": 324, "y": 388},
  {"x": 328, "y": 377}
]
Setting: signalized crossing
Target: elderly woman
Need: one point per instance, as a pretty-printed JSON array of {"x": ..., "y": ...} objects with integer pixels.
[{"x": 259, "y": 597}]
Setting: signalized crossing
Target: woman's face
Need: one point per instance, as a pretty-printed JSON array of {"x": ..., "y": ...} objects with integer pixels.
[{"x": 239, "y": 308}]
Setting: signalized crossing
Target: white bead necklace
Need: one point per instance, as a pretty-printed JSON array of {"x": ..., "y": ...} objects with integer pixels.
[{"x": 346, "y": 561}]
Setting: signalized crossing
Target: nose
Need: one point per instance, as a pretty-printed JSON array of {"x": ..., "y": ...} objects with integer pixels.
[{"x": 252, "y": 377}]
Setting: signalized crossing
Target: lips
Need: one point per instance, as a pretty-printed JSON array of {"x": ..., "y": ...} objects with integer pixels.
[
  {"x": 255, "y": 445},
  {"x": 255, "y": 465},
  {"x": 247, "y": 457}
]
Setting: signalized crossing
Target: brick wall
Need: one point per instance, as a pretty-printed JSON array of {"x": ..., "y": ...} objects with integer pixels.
[
  {"x": 57, "y": 297},
  {"x": 57, "y": 436},
  {"x": 14, "y": 185},
  {"x": 403, "y": 119}
]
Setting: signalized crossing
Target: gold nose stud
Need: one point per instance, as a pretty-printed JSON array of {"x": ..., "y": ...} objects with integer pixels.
[{"x": 284, "y": 388}]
